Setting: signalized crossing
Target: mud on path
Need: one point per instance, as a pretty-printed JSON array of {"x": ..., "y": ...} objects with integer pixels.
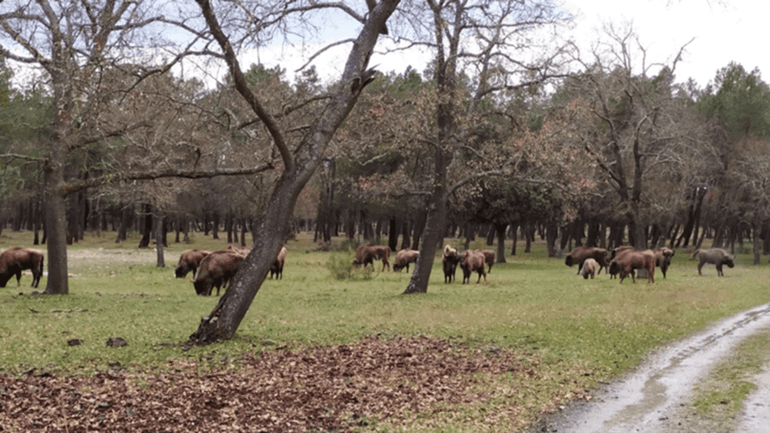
[{"x": 656, "y": 397}]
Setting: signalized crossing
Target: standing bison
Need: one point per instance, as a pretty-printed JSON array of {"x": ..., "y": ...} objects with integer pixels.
[
  {"x": 15, "y": 260},
  {"x": 449, "y": 261},
  {"x": 489, "y": 258},
  {"x": 580, "y": 254},
  {"x": 629, "y": 259},
  {"x": 404, "y": 258},
  {"x": 588, "y": 269},
  {"x": 216, "y": 270},
  {"x": 471, "y": 261},
  {"x": 663, "y": 259},
  {"x": 277, "y": 268},
  {"x": 367, "y": 254},
  {"x": 715, "y": 256},
  {"x": 189, "y": 262}
]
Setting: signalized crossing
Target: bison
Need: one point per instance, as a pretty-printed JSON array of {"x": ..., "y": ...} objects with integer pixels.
[
  {"x": 15, "y": 260},
  {"x": 216, "y": 270},
  {"x": 663, "y": 259},
  {"x": 449, "y": 261},
  {"x": 277, "y": 268},
  {"x": 471, "y": 261},
  {"x": 404, "y": 258},
  {"x": 189, "y": 262},
  {"x": 580, "y": 254},
  {"x": 588, "y": 269},
  {"x": 715, "y": 256},
  {"x": 489, "y": 258},
  {"x": 629, "y": 259},
  {"x": 367, "y": 254}
]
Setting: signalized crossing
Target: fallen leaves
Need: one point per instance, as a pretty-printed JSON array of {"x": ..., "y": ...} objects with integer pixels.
[{"x": 335, "y": 388}]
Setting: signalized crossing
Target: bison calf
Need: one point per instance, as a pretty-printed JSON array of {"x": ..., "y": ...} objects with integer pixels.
[
  {"x": 449, "y": 262},
  {"x": 15, "y": 260},
  {"x": 715, "y": 256},
  {"x": 588, "y": 269}
]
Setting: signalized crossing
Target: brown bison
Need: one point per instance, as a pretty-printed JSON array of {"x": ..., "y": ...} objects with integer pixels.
[
  {"x": 580, "y": 254},
  {"x": 449, "y": 261},
  {"x": 629, "y": 259},
  {"x": 588, "y": 269},
  {"x": 404, "y": 258},
  {"x": 367, "y": 254},
  {"x": 471, "y": 261},
  {"x": 277, "y": 267},
  {"x": 15, "y": 260},
  {"x": 189, "y": 262},
  {"x": 216, "y": 270},
  {"x": 715, "y": 256},
  {"x": 489, "y": 258},
  {"x": 663, "y": 259}
]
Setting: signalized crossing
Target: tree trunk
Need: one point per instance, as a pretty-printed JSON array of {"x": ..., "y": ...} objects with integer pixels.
[
  {"x": 432, "y": 235},
  {"x": 146, "y": 226},
  {"x": 159, "y": 240},
  {"x": 392, "y": 234},
  {"x": 500, "y": 230},
  {"x": 56, "y": 222}
]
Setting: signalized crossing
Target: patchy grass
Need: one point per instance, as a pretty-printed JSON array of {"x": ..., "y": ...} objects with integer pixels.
[
  {"x": 722, "y": 394},
  {"x": 572, "y": 332}
]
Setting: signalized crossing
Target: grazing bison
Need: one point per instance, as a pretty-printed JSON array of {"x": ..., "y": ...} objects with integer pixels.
[
  {"x": 277, "y": 267},
  {"x": 580, "y": 254},
  {"x": 449, "y": 261},
  {"x": 404, "y": 258},
  {"x": 588, "y": 269},
  {"x": 15, "y": 260},
  {"x": 715, "y": 256},
  {"x": 189, "y": 262},
  {"x": 216, "y": 270},
  {"x": 663, "y": 259},
  {"x": 471, "y": 261},
  {"x": 367, "y": 254},
  {"x": 489, "y": 258},
  {"x": 629, "y": 259}
]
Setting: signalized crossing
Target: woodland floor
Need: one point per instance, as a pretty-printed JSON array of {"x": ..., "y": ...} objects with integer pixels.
[{"x": 322, "y": 389}]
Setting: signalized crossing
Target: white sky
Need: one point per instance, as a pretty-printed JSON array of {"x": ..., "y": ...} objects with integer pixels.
[{"x": 720, "y": 33}]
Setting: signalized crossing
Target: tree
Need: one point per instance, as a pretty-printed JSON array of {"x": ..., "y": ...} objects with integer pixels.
[
  {"x": 474, "y": 45},
  {"x": 299, "y": 157}
]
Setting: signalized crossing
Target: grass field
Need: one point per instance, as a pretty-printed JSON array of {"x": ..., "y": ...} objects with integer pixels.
[{"x": 580, "y": 331}]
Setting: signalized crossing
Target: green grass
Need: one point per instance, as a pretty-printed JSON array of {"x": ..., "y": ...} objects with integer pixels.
[{"x": 584, "y": 331}]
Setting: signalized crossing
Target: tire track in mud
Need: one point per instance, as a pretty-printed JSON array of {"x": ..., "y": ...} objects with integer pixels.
[{"x": 650, "y": 398}]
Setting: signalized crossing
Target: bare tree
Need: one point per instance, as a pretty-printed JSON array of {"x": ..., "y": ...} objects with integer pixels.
[{"x": 299, "y": 158}]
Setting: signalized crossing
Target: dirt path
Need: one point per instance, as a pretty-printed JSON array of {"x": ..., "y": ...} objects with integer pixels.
[{"x": 654, "y": 398}]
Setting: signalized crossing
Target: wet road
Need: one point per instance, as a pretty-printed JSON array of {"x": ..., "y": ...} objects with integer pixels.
[{"x": 650, "y": 399}]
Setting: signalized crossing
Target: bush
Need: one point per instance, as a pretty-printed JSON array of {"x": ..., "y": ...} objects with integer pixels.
[{"x": 341, "y": 267}]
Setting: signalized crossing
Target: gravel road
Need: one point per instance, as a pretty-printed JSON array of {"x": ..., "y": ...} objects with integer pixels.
[{"x": 656, "y": 397}]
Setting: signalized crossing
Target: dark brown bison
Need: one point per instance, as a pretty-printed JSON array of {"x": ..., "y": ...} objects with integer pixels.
[
  {"x": 489, "y": 258},
  {"x": 15, "y": 260},
  {"x": 367, "y": 254},
  {"x": 715, "y": 256},
  {"x": 216, "y": 270},
  {"x": 663, "y": 259},
  {"x": 471, "y": 261},
  {"x": 449, "y": 261},
  {"x": 404, "y": 258},
  {"x": 589, "y": 269},
  {"x": 277, "y": 268},
  {"x": 189, "y": 262},
  {"x": 629, "y": 259},
  {"x": 580, "y": 254}
]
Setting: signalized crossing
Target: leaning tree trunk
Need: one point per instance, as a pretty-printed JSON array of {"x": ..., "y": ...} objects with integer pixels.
[{"x": 432, "y": 236}]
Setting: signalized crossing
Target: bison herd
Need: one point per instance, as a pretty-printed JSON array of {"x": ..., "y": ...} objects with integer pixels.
[
  {"x": 212, "y": 269},
  {"x": 626, "y": 260},
  {"x": 215, "y": 269}
]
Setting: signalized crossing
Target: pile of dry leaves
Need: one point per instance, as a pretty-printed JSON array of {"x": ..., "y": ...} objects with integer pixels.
[{"x": 321, "y": 389}]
